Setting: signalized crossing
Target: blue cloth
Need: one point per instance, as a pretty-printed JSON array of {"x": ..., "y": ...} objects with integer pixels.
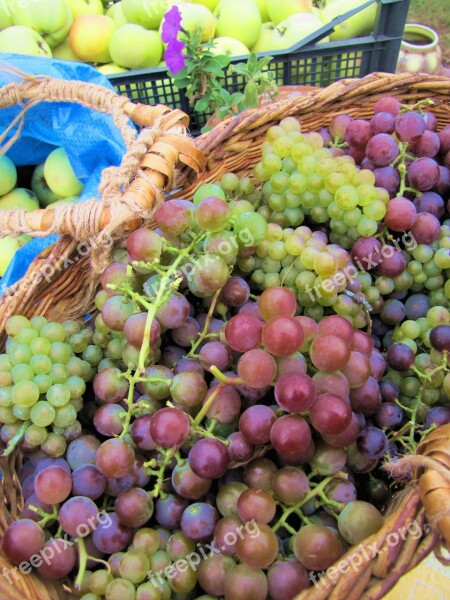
[{"x": 90, "y": 138}]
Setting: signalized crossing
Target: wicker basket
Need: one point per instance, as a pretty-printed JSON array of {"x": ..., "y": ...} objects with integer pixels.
[{"x": 161, "y": 159}]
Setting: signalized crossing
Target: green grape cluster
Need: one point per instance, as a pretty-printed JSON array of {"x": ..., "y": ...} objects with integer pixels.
[
  {"x": 42, "y": 381},
  {"x": 429, "y": 267},
  {"x": 302, "y": 178}
]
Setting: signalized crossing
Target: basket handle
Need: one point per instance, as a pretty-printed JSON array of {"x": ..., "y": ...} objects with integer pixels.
[{"x": 149, "y": 164}]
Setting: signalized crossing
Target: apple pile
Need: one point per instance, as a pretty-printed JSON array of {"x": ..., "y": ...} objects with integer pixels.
[
  {"x": 118, "y": 36},
  {"x": 51, "y": 182}
]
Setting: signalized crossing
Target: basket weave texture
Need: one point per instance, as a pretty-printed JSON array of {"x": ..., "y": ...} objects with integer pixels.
[{"x": 162, "y": 160}]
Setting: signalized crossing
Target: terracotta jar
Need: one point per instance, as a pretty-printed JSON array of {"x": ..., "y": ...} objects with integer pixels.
[{"x": 420, "y": 51}]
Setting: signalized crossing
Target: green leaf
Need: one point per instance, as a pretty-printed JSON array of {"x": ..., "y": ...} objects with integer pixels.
[
  {"x": 202, "y": 105},
  {"x": 263, "y": 62},
  {"x": 240, "y": 69},
  {"x": 206, "y": 128},
  {"x": 223, "y": 59},
  {"x": 251, "y": 95},
  {"x": 252, "y": 62}
]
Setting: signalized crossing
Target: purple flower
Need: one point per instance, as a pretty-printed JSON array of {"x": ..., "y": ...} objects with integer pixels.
[
  {"x": 171, "y": 25},
  {"x": 174, "y": 57}
]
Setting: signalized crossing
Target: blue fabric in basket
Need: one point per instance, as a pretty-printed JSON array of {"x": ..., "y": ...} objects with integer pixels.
[{"x": 90, "y": 138}]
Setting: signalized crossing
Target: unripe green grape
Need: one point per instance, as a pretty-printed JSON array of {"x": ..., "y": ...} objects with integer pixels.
[
  {"x": 420, "y": 278},
  {"x": 367, "y": 194},
  {"x": 343, "y": 305},
  {"x": 385, "y": 285},
  {"x": 338, "y": 227},
  {"x": 277, "y": 250},
  {"x": 335, "y": 212},
  {"x": 258, "y": 277},
  {"x": 54, "y": 332},
  {"x": 59, "y": 373},
  {"x": 414, "y": 267},
  {"x": 437, "y": 297},
  {"x": 259, "y": 173},
  {"x": 22, "y": 412},
  {"x": 353, "y": 233},
  {"x": 99, "y": 580},
  {"x": 295, "y": 244},
  {"x": 375, "y": 210},
  {"x": 294, "y": 216},
  {"x": 271, "y": 280},
  {"x": 277, "y": 202},
  {"x": 319, "y": 214},
  {"x": 35, "y": 435},
  {"x": 269, "y": 265},
  {"x": 324, "y": 264},
  {"x": 434, "y": 283},
  {"x": 65, "y": 415},
  {"x": 38, "y": 322},
  {"x": 282, "y": 146},
  {"x": 78, "y": 343},
  {"x": 442, "y": 258},
  {"x": 300, "y": 150},
  {"x": 309, "y": 200},
  {"x": 367, "y": 227},
  {"x": 431, "y": 269},
  {"x": 21, "y": 353},
  {"x": 437, "y": 315},
  {"x": 77, "y": 366},
  {"x": 15, "y": 324},
  {"x": 298, "y": 183},
  {"x": 307, "y": 256},
  {"x": 325, "y": 198},
  {"x": 274, "y": 232},
  {"x": 26, "y": 335},
  {"x": 372, "y": 294},
  {"x": 93, "y": 355},
  {"x": 229, "y": 182},
  {"x": 288, "y": 276},
  {"x": 250, "y": 229},
  {"x": 279, "y": 182},
  {"x": 289, "y": 165},
  {"x": 115, "y": 347},
  {"x": 42, "y": 414},
  {"x": 314, "y": 312},
  {"x": 25, "y": 393},
  {"x": 43, "y": 382},
  {"x": 403, "y": 281},
  {"x": 58, "y": 395},
  {"x": 206, "y": 190},
  {"x": 315, "y": 182},
  {"x": 423, "y": 253},
  {"x": 246, "y": 264},
  {"x": 430, "y": 396},
  {"x": 7, "y": 415},
  {"x": 77, "y": 403},
  {"x": 410, "y": 329},
  {"x": 307, "y": 165},
  {"x": 237, "y": 207},
  {"x": 305, "y": 281},
  {"x": 352, "y": 217},
  {"x": 22, "y": 372},
  {"x": 5, "y": 396},
  {"x": 41, "y": 364}
]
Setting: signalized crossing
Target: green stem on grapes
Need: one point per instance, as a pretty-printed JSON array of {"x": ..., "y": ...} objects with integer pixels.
[
  {"x": 316, "y": 491},
  {"x": 223, "y": 382},
  {"x": 168, "y": 454},
  {"x": 211, "y": 426},
  {"x": 417, "y": 106},
  {"x": 223, "y": 378},
  {"x": 83, "y": 558},
  {"x": 204, "y": 332},
  {"x": 16, "y": 439},
  {"x": 165, "y": 289},
  {"x": 46, "y": 517},
  {"x": 289, "y": 528}
]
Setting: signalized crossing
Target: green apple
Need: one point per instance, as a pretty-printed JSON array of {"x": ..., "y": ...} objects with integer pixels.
[
  {"x": 8, "y": 175},
  {"x": 111, "y": 68},
  {"x": 8, "y": 247},
  {"x": 134, "y": 47},
  {"x": 265, "y": 42},
  {"x": 19, "y": 198},
  {"x": 116, "y": 12},
  {"x": 294, "y": 29},
  {"x": 229, "y": 46},
  {"x": 360, "y": 24},
  {"x": 147, "y": 13},
  {"x": 85, "y": 7},
  {"x": 239, "y": 19},
  {"x": 24, "y": 40},
  {"x": 40, "y": 187},
  {"x": 262, "y": 5},
  {"x": 211, "y": 4},
  {"x": 60, "y": 176},
  {"x": 6, "y": 19},
  {"x": 70, "y": 200},
  {"x": 196, "y": 16},
  {"x": 50, "y": 18},
  {"x": 64, "y": 52},
  {"x": 282, "y": 9},
  {"x": 90, "y": 36}
]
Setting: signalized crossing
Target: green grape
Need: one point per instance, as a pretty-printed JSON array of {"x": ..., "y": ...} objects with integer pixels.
[
  {"x": 262, "y": 249},
  {"x": 346, "y": 197},
  {"x": 7, "y": 415},
  {"x": 120, "y": 589},
  {"x": 365, "y": 279},
  {"x": 43, "y": 382},
  {"x": 305, "y": 281},
  {"x": 403, "y": 281},
  {"x": 5, "y": 396},
  {"x": 42, "y": 414},
  {"x": 294, "y": 244},
  {"x": 35, "y": 435},
  {"x": 430, "y": 396},
  {"x": 246, "y": 264},
  {"x": 114, "y": 348},
  {"x": 431, "y": 269},
  {"x": 93, "y": 355},
  {"x": 250, "y": 229},
  {"x": 372, "y": 294},
  {"x": 325, "y": 198},
  {"x": 363, "y": 177},
  {"x": 271, "y": 163},
  {"x": 65, "y": 415},
  {"x": 420, "y": 278},
  {"x": 288, "y": 276},
  {"x": 150, "y": 591},
  {"x": 78, "y": 342},
  {"x": 442, "y": 258},
  {"x": 291, "y": 199},
  {"x": 25, "y": 393},
  {"x": 22, "y": 372},
  {"x": 434, "y": 283},
  {"x": 307, "y": 165},
  {"x": 338, "y": 227},
  {"x": 277, "y": 202},
  {"x": 315, "y": 182},
  {"x": 314, "y": 312},
  {"x": 26, "y": 335},
  {"x": 15, "y": 324},
  {"x": 38, "y": 322},
  {"x": 290, "y": 125},
  {"x": 282, "y": 146},
  {"x": 279, "y": 182},
  {"x": 423, "y": 253},
  {"x": 410, "y": 329},
  {"x": 335, "y": 212},
  {"x": 414, "y": 267},
  {"x": 352, "y": 217},
  {"x": 258, "y": 277},
  {"x": 274, "y": 233},
  {"x": 58, "y": 395},
  {"x": 438, "y": 315},
  {"x": 277, "y": 250},
  {"x": 77, "y": 366},
  {"x": 269, "y": 265},
  {"x": 206, "y": 190},
  {"x": 334, "y": 181},
  {"x": 367, "y": 227},
  {"x": 385, "y": 285},
  {"x": 319, "y": 214},
  {"x": 324, "y": 264},
  {"x": 54, "y": 332},
  {"x": 5, "y": 363},
  {"x": 367, "y": 193},
  {"x": 307, "y": 256},
  {"x": 77, "y": 403},
  {"x": 22, "y": 412},
  {"x": 40, "y": 364},
  {"x": 376, "y": 210},
  {"x": 437, "y": 297},
  {"x": 100, "y": 298},
  {"x": 410, "y": 386},
  {"x": 40, "y": 345},
  {"x": 59, "y": 373},
  {"x": 259, "y": 173},
  {"x": 289, "y": 165},
  {"x": 71, "y": 327},
  {"x": 55, "y": 445},
  {"x": 271, "y": 280},
  {"x": 237, "y": 207},
  {"x": 353, "y": 233},
  {"x": 20, "y": 353},
  {"x": 60, "y": 352},
  {"x": 343, "y": 305},
  {"x": 300, "y": 150},
  {"x": 294, "y": 216}
]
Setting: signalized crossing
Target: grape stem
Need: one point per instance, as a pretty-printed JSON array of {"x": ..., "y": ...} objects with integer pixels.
[
  {"x": 83, "y": 557},
  {"x": 223, "y": 382},
  {"x": 204, "y": 333},
  {"x": 318, "y": 490},
  {"x": 165, "y": 289},
  {"x": 168, "y": 454},
  {"x": 16, "y": 439},
  {"x": 46, "y": 517}
]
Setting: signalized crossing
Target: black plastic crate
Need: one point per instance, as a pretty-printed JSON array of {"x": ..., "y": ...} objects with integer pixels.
[{"x": 306, "y": 63}]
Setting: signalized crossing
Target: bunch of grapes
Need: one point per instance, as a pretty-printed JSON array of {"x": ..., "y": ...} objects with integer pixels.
[
  {"x": 42, "y": 382},
  {"x": 235, "y": 415}
]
